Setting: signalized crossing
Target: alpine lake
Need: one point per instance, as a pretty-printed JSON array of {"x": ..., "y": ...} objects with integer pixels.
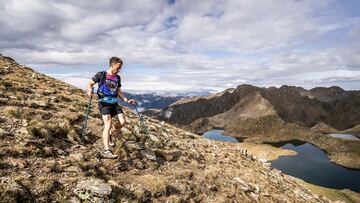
[{"x": 311, "y": 164}]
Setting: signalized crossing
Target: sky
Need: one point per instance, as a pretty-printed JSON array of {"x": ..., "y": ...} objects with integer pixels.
[{"x": 186, "y": 45}]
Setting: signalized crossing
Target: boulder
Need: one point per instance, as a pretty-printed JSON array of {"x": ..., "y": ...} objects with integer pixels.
[
  {"x": 93, "y": 190},
  {"x": 148, "y": 153},
  {"x": 11, "y": 191},
  {"x": 76, "y": 157}
]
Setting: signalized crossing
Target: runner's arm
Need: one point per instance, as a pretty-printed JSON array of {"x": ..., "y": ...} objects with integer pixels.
[
  {"x": 121, "y": 95},
  {"x": 89, "y": 87}
]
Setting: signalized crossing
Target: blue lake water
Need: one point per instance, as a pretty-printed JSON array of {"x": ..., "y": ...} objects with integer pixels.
[
  {"x": 216, "y": 135},
  {"x": 310, "y": 164},
  {"x": 313, "y": 166},
  {"x": 344, "y": 136}
]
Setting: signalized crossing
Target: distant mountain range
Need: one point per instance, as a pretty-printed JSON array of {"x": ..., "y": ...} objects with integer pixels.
[
  {"x": 161, "y": 99},
  {"x": 174, "y": 93},
  {"x": 333, "y": 106},
  {"x": 152, "y": 101},
  {"x": 275, "y": 114}
]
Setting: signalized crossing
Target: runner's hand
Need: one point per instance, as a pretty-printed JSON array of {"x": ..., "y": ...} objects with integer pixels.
[
  {"x": 90, "y": 93},
  {"x": 131, "y": 101}
]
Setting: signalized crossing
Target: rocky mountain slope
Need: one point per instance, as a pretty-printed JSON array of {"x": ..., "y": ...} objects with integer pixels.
[{"x": 42, "y": 161}]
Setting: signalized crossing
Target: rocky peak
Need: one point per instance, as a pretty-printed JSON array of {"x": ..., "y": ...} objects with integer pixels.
[{"x": 330, "y": 94}]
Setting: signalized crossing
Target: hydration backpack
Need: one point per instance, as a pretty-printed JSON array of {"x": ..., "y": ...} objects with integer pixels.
[{"x": 106, "y": 90}]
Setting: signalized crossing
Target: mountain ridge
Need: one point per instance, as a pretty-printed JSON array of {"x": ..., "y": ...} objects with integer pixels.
[{"x": 295, "y": 111}]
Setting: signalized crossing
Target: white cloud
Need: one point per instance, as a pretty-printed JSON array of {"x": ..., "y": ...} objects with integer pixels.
[{"x": 265, "y": 42}]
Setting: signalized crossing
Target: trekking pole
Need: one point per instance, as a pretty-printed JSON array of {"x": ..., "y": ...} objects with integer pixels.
[
  {"x": 142, "y": 120},
  {"x": 86, "y": 117}
]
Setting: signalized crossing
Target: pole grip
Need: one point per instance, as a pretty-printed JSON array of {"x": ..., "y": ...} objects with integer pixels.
[{"x": 134, "y": 103}]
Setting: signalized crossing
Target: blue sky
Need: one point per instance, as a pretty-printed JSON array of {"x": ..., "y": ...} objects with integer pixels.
[{"x": 188, "y": 45}]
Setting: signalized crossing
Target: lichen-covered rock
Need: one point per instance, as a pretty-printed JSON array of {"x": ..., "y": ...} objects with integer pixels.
[
  {"x": 93, "y": 190},
  {"x": 148, "y": 154},
  {"x": 12, "y": 191}
]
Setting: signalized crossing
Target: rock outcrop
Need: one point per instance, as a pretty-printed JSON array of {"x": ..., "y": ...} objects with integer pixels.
[{"x": 41, "y": 159}]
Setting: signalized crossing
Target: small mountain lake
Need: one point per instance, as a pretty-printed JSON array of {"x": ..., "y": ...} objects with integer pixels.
[
  {"x": 344, "y": 136},
  {"x": 310, "y": 164},
  {"x": 217, "y": 135}
]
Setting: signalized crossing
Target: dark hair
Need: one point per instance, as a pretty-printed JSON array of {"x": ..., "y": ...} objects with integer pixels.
[{"x": 115, "y": 59}]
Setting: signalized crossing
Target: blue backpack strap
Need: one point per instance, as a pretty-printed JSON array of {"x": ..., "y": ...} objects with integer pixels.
[
  {"x": 119, "y": 79},
  {"x": 103, "y": 77},
  {"x": 102, "y": 80}
]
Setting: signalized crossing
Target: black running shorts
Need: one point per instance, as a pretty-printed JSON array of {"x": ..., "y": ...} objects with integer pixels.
[{"x": 112, "y": 109}]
